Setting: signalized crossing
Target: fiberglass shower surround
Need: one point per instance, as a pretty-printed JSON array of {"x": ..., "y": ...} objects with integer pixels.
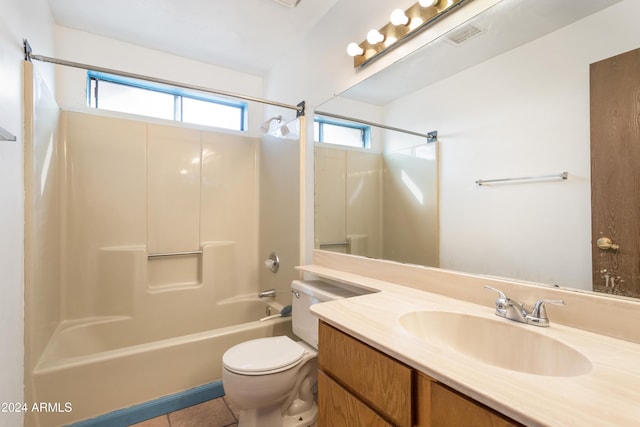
[{"x": 157, "y": 268}]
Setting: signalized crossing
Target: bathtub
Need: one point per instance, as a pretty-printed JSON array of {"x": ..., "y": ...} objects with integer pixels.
[{"x": 98, "y": 365}]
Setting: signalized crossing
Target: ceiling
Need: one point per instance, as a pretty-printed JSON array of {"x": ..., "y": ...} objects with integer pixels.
[
  {"x": 246, "y": 35},
  {"x": 242, "y": 35}
]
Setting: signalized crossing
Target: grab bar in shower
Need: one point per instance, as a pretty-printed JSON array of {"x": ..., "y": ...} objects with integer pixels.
[
  {"x": 334, "y": 244},
  {"x": 158, "y": 255},
  {"x": 562, "y": 176}
]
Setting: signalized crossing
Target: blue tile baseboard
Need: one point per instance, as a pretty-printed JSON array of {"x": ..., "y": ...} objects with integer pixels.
[{"x": 155, "y": 408}]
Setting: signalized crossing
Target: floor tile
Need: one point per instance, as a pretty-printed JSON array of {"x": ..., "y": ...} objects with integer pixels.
[
  {"x": 231, "y": 408},
  {"x": 161, "y": 421},
  {"x": 213, "y": 413}
]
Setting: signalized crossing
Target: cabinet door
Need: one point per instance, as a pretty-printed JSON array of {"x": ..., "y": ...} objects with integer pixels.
[
  {"x": 337, "y": 407},
  {"x": 439, "y": 406},
  {"x": 380, "y": 381}
]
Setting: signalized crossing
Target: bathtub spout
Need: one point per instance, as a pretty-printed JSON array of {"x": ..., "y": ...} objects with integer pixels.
[{"x": 270, "y": 293}]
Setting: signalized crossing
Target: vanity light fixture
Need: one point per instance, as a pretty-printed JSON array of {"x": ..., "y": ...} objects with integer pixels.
[{"x": 402, "y": 25}]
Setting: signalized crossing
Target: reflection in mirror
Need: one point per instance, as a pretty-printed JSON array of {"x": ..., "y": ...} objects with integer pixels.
[
  {"x": 384, "y": 191},
  {"x": 512, "y": 101}
]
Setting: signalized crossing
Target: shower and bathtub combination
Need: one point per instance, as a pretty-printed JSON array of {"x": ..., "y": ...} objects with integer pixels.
[{"x": 145, "y": 254}]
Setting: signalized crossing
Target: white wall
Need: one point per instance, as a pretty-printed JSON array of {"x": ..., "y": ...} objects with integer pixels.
[
  {"x": 19, "y": 19},
  {"x": 523, "y": 113}
]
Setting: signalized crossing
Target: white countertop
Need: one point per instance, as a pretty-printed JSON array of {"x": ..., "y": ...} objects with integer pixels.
[{"x": 608, "y": 395}]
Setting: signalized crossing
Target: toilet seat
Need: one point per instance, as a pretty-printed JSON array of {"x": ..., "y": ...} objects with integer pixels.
[{"x": 263, "y": 356}]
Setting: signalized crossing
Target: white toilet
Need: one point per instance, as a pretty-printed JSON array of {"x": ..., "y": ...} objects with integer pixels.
[{"x": 270, "y": 381}]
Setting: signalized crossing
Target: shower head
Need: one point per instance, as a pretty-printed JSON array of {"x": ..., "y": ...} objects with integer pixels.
[{"x": 266, "y": 125}]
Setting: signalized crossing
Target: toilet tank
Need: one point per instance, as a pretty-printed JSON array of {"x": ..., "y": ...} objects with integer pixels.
[{"x": 309, "y": 292}]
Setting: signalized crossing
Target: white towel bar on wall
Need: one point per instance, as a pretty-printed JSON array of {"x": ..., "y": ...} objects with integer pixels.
[{"x": 561, "y": 176}]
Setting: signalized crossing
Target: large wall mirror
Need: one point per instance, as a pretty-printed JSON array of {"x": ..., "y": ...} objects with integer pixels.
[{"x": 511, "y": 101}]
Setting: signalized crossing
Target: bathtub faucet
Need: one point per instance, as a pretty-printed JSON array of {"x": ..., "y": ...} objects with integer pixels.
[{"x": 269, "y": 293}]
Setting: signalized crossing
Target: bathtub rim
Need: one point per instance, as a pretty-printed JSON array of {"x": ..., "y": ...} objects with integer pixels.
[{"x": 48, "y": 363}]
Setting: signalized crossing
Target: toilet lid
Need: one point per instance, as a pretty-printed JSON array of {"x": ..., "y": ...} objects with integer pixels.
[{"x": 262, "y": 354}]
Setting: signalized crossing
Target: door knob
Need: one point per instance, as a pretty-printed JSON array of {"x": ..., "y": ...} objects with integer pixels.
[{"x": 605, "y": 243}]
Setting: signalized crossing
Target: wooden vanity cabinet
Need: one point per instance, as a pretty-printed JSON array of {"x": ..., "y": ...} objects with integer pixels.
[
  {"x": 439, "y": 406},
  {"x": 338, "y": 407},
  {"x": 360, "y": 386},
  {"x": 377, "y": 380}
]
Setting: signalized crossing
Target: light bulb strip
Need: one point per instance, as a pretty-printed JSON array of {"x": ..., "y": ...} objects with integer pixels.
[{"x": 395, "y": 34}]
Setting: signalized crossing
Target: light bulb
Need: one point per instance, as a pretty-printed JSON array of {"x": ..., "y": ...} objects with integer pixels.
[
  {"x": 428, "y": 3},
  {"x": 389, "y": 41},
  {"x": 354, "y": 50},
  {"x": 398, "y": 17},
  {"x": 415, "y": 23},
  {"x": 374, "y": 36}
]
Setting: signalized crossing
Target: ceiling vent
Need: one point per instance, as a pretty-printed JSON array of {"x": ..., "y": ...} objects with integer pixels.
[
  {"x": 288, "y": 3},
  {"x": 464, "y": 33}
]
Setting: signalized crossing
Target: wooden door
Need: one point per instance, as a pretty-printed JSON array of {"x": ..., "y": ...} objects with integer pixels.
[{"x": 615, "y": 174}]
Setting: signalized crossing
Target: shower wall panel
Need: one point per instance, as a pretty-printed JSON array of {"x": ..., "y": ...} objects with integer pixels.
[
  {"x": 135, "y": 189},
  {"x": 330, "y": 197},
  {"x": 349, "y": 200},
  {"x": 173, "y": 181},
  {"x": 411, "y": 210},
  {"x": 279, "y": 212},
  {"x": 42, "y": 175},
  {"x": 229, "y": 203},
  {"x": 105, "y": 203},
  {"x": 364, "y": 203}
]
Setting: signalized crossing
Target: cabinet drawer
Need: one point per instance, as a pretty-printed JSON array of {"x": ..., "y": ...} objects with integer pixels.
[
  {"x": 451, "y": 409},
  {"x": 337, "y": 407},
  {"x": 377, "y": 379}
]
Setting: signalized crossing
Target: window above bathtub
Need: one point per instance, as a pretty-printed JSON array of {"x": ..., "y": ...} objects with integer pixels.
[
  {"x": 128, "y": 95},
  {"x": 330, "y": 131}
]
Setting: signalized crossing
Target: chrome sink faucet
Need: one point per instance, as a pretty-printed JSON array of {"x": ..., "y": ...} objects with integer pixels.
[{"x": 514, "y": 310}]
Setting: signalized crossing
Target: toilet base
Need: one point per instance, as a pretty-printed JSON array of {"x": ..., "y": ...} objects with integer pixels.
[
  {"x": 257, "y": 418},
  {"x": 307, "y": 418}
]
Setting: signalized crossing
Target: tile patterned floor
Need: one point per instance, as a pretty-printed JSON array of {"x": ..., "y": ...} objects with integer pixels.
[{"x": 213, "y": 413}]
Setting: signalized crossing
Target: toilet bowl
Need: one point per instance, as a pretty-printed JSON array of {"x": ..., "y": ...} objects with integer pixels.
[
  {"x": 263, "y": 378},
  {"x": 271, "y": 381}
]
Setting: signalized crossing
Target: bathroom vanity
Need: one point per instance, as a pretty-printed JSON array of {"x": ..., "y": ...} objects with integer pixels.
[
  {"x": 425, "y": 348},
  {"x": 358, "y": 385}
]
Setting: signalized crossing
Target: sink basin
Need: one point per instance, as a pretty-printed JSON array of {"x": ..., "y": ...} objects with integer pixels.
[{"x": 497, "y": 342}]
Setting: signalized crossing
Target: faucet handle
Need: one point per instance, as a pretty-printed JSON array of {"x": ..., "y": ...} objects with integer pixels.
[
  {"x": 539, "y": 310},
  {"x": 502, "y": 298},
  {"x": 538, "y": 315},
  {"x": 502, "y": 303}
]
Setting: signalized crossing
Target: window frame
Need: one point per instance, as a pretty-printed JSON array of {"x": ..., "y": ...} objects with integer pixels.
[
  {"x": 178, "y": 93},
  {"x": 364, "y": 129}
]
